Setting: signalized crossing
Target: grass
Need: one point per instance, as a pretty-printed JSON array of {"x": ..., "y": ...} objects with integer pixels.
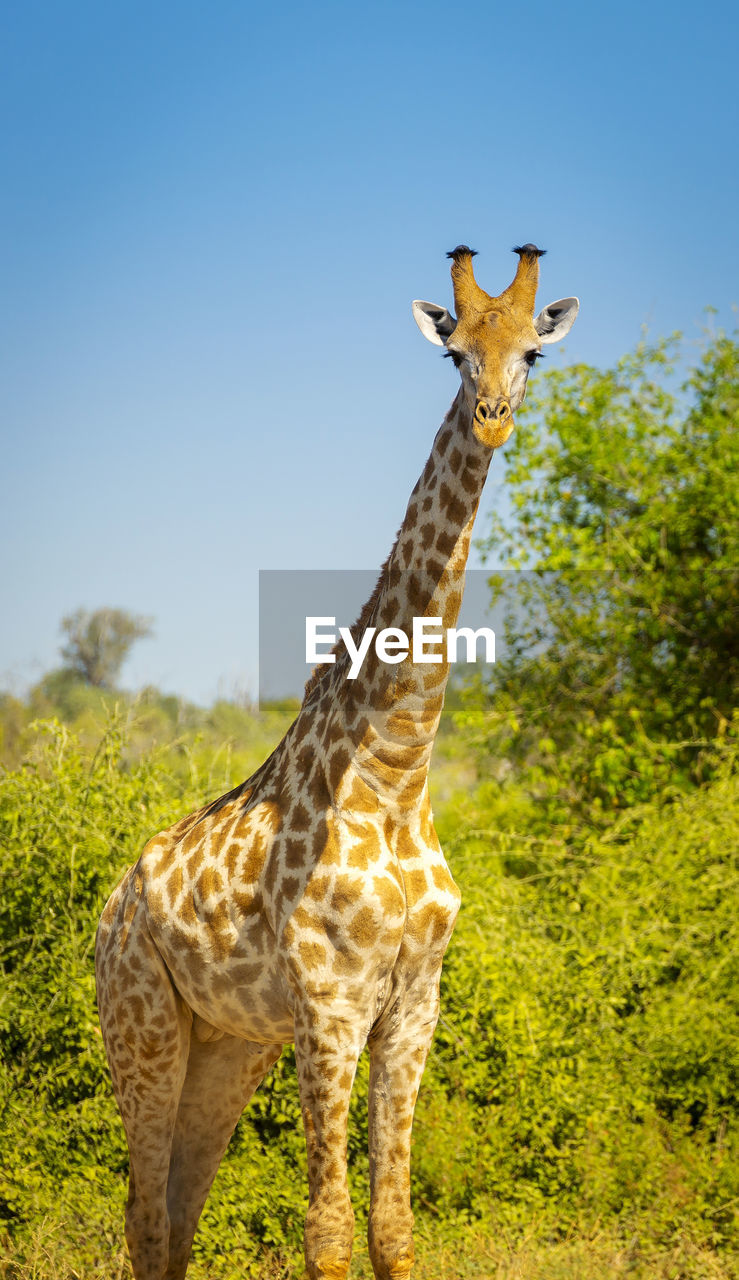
[{"x": 598, "y": 1256}]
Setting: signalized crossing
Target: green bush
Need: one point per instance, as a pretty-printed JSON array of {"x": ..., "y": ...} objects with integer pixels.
[
  {"x": 621, "y": 655},
  {"x": 590, "y": 1022}
]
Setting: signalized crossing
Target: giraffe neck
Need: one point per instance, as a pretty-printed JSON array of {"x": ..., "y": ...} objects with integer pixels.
[{"x": 391, "y": 712}]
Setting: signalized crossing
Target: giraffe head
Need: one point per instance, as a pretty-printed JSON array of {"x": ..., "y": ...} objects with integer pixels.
[{"x": 494, "y": 342}]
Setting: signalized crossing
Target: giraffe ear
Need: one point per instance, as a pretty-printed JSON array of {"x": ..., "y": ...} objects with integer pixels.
[
  {"x": 557, "y": 319},
  {"x": 435, "y": 323}
]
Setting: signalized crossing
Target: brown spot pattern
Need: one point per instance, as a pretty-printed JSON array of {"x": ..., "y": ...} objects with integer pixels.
[{"x": 312, "y": 903}]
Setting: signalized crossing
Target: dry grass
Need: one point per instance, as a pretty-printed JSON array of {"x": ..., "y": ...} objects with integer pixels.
[
  {"x": 598, "y": 1257},
  {"x": 595, "y": 1259}
]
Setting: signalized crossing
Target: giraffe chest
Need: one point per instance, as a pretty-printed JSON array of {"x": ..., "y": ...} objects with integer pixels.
[
  {"x": 378, "y": 898},
  {"x": 267, "y": 915}
]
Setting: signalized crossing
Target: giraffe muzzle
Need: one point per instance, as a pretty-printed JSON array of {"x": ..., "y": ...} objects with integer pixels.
[{"x": 493, "y": 421}]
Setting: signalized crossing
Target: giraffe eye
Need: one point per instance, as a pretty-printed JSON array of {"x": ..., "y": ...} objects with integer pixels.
[{"x": 531, "y": 358}]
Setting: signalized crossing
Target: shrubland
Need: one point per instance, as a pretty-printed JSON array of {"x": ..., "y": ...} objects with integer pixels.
[{"x": 578, "y": 1115}]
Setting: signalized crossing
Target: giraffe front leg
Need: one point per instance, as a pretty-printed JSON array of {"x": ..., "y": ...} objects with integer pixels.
[
  {"x": 327, "y": 1047},
  {"x": 399, "y": 1046}
]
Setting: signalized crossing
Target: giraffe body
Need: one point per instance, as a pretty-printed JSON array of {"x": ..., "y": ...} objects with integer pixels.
[{"x": 313, "y": 903}]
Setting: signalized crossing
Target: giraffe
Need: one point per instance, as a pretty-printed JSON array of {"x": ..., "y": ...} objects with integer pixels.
[{"x": 313, "y": 903}]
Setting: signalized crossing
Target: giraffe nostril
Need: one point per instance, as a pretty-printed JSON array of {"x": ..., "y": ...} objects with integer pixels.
[{"x": 485, "y": 411}]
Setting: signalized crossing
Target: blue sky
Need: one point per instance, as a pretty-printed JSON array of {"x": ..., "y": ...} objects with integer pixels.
[{"x": 214, "y": 219}]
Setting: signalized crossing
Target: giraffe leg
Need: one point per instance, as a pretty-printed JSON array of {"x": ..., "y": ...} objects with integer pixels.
[
  {"x": 222, "y": 1075},
  {"x": 146, "y": 1031},
  {"x": 399, "y": 1045},
  {"x": 327, "y": 1048}
]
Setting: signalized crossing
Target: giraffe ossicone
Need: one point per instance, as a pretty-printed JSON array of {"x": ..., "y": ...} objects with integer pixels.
[{"x": 313, "y": 903}]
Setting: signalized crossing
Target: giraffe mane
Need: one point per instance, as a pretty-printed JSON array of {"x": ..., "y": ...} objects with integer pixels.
[{"x": 323, "y": 669}]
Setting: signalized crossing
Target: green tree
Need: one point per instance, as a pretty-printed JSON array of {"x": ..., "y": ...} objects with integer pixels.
[
  {"x": 624, "y": 523},
  {"x": 98, "y": 643}
]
